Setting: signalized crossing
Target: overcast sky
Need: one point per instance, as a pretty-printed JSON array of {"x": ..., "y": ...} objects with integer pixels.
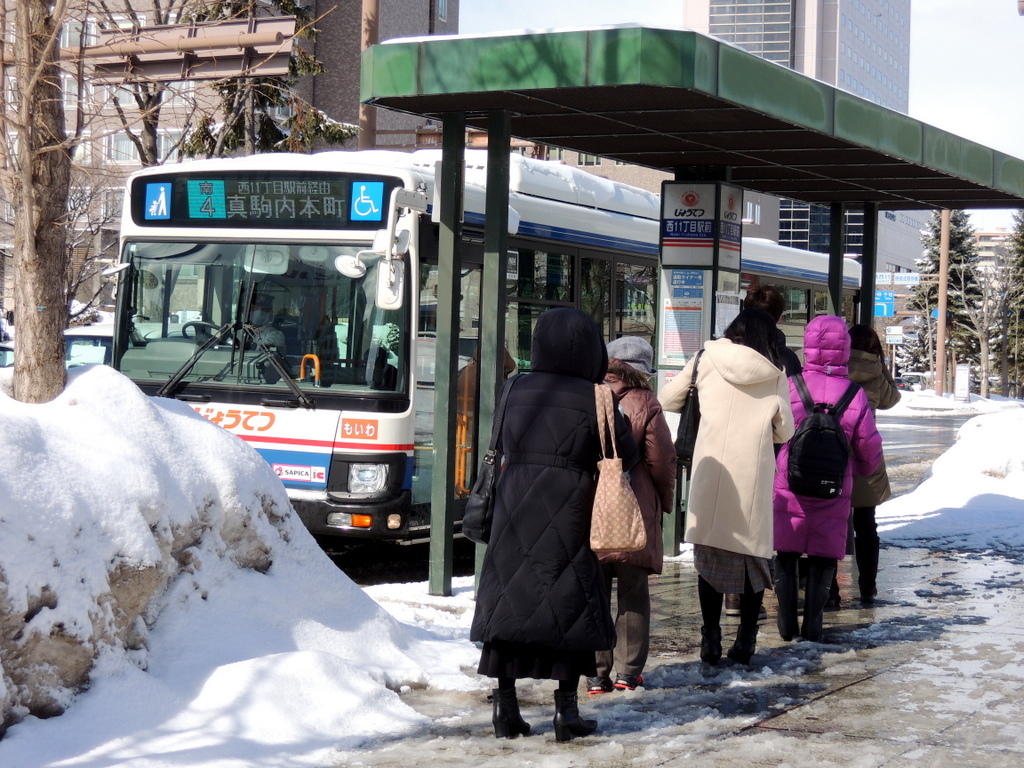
[{"x": 966, "y": 58}]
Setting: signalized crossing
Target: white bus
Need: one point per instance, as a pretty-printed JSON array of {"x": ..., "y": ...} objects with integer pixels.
[{"x": 291, "y": 299}]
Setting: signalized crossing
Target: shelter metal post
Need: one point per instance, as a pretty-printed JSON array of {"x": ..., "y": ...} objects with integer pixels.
[
  {"x": 699, "y": 282},
  {"x": 869, "y": 264},
  {"x": 449, "y": 271},
  {"x": 836, "y": 235},
  {"x": 491, "y": 340},
  {"x": 940, "y": 323}
]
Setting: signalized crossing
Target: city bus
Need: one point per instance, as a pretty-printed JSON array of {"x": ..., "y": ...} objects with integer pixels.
[{"x": 291, "y": 299}]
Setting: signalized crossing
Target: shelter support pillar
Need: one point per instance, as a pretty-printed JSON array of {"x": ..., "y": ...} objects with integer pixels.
[
  {"x": 868, "y": 265},
  {"x": 836, "y": 245},
  {"x": 449, "y": 271},
  {"x": 699, "y": 282},
  {"x": 940, "y": 322},
  {"x": 491, "y": 338}
]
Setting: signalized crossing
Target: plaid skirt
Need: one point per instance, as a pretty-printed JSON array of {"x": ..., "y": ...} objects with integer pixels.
[{"x": 728, "y": 572}]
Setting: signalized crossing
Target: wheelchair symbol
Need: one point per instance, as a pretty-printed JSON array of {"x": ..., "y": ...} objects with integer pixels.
[{"x": 363, "y": 205}]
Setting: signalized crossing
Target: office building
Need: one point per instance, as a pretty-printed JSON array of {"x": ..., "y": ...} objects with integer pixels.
[{"x": 861, "y": 46}]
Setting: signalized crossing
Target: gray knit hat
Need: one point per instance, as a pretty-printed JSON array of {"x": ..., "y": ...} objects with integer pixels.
[{"x": 633, "y": 351}]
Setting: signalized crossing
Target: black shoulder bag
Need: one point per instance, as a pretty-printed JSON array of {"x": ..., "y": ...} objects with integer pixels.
[
  {"x": 476, "y": 521},
  {"x": 689, "y": 420}
]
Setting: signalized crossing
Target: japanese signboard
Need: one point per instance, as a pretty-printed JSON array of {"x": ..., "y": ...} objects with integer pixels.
[{"x": 695, "y": 220}]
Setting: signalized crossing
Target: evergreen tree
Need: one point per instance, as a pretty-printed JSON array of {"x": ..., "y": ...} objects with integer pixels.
[
  {"x": 963, "y": 293},
  {"x": 1015, "y": 297},
  {"x": 246, "y": 122}
]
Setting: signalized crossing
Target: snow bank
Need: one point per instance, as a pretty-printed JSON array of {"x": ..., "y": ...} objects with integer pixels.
[
  {"x": 973, "y": 495},
  {"x": 140, "y": 539}
]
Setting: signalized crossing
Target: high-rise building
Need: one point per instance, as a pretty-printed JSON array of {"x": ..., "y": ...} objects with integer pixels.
[{"x": 861, "y": 46}]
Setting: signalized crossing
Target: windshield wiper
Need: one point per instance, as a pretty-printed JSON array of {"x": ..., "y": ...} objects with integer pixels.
[
  {"x": 169, "y": 388},
  {"x": 304, "y": 400}
]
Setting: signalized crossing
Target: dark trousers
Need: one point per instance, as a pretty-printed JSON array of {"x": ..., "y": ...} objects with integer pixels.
[{"x": 632, "y": 620}]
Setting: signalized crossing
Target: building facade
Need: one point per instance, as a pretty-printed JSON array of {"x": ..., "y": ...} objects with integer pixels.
[
  {"x": 105, "y": 152},
  {"x": 860, "y": 46}
]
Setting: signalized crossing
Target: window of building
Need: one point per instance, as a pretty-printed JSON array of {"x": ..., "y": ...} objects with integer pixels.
[
  {"x": 751, "y": 212},
  {"x": 588, "y": 160},
  {"x": 121, "y": 149},
  {"x": 75, "y": 34},
  {"x": 113, "y": 199},
  {"x": 167, "y": 146}
]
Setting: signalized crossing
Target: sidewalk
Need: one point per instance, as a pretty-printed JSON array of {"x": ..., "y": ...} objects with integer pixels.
[{"x": 931, "y": 676}]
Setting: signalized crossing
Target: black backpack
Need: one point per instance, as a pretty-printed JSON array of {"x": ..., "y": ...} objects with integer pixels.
[{"x": 819, "y": 450}]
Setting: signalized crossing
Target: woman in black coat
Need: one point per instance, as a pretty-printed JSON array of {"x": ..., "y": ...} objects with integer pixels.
[{"x": 541, "y": 609}]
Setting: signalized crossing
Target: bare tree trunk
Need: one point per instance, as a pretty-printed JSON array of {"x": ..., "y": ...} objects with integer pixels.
[
  {"x": 43, "y": 167},
  {"x": 985, "y": 349}
]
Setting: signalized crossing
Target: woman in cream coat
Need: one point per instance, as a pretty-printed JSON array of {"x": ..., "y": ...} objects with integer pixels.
[{"x": 745, "y": 410}]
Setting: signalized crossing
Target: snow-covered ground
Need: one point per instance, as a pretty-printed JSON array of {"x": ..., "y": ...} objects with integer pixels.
[{"x": 251, "y": 648}]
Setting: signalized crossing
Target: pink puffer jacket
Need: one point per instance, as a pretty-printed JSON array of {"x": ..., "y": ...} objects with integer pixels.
[{"x": 819, "y": 526}]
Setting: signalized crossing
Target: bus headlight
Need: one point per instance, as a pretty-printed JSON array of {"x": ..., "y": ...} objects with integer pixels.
[{"x": 367, "y": 478}]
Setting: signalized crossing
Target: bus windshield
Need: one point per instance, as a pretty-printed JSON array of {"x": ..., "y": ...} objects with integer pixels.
[{"x": 269, "y": 309}]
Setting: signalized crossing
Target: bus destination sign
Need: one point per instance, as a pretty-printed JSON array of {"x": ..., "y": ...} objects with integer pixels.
[{"x": 268, "y": 199}]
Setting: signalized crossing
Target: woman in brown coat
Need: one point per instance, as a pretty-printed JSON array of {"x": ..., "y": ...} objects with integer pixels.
[
  {"x": 630, "y": 361},
  {"x": 867, "y": 368}
]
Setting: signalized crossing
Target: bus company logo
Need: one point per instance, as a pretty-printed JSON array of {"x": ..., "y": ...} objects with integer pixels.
[
  {"x": 301, "y": 474},
  {"x": 235, "y": 418},
  {"x": 730, "y": 213},
  {"x": 364, "y": 429},
  {"x": 690, "y": 201}
]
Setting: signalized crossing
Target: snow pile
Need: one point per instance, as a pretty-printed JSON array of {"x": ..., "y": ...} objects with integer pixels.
[
  {"x": 925, "y": 402},
  {"x": 972, "y": 497},
  {"x": 138, "y": 539}
]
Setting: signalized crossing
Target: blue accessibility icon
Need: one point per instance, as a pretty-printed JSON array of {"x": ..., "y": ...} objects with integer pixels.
[{"x": 367, "y": 201}]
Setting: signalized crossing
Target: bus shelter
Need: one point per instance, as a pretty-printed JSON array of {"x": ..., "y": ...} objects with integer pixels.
[{"x": 675, "y": 101}]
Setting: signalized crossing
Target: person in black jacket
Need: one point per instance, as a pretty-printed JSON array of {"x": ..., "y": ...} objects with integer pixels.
[
  {"x": 770, "y": 300},
  {"x": 541, "y": 608}
]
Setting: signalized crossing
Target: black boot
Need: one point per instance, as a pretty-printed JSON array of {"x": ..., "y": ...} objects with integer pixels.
[
  {"x": 835, "y": 599},
  {"x": 568, "y": 722},
  {"x": 508, "y": 723},
  {"x": 711, "y": 645},
  {"x": 746, "y": 642},
  {"x": 865, "y": 545},
  {"x": 819, "y": 582},
  {"x": 787, "y": 592},
  {"x": 867, "y": 565}
]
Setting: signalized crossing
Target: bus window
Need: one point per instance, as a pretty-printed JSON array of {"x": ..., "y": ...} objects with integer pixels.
[
  {"x": 322, "y": 329},
  {"x": 635, "y": 289}
]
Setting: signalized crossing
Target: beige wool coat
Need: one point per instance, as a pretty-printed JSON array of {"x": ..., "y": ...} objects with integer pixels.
[{"x": 745, "y": 410}]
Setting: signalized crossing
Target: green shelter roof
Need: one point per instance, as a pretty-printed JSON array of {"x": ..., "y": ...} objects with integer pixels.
[{"x": 672, "y": 100}]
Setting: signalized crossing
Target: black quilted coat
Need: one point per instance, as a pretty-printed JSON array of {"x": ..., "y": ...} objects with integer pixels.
[{"x": 540, "y": 582}]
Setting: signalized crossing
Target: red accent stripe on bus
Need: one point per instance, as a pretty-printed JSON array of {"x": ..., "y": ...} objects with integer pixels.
[{"x": 325, "y": 443}]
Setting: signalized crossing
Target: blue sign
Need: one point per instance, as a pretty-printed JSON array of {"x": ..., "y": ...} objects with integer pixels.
[
  {"x": 885, "y": 303},
  {"x": 158, "y": 201},
  {"x": 367, "y": 201}
]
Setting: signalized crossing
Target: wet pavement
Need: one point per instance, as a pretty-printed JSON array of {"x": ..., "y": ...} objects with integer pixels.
[{"x": 931, "y": 675}]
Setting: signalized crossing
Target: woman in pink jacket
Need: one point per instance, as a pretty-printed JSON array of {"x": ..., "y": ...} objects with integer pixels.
[{"x": 812, "y": 526}]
